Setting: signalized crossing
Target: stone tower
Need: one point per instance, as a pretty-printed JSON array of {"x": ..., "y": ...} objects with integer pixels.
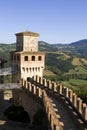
[{"x": 27, "y": 61}]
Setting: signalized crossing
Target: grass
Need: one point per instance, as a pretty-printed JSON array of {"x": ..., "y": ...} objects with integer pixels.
[
  {"x": 79, "y": 61},
  {"x": 76, "y": 61},
  {"x": 79, "y": 87},
  {"x": 78, "y": 82},
  {"x": 48, "y": 73},
  {"x": 67, "y": 84},
  {"x": 84, "y": 60},
  {"x": 75, "y": 83},
  {"x": 8, "y": 79},
  {"x": 62, "y": 56},
  {"x": 82, "y": 70},
  {"x": 78, "y": 70}
]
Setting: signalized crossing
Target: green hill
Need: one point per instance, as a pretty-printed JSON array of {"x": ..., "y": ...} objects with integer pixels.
[
  {"x": 43, "y": 46},
  {"x": 77, "y": 48}
]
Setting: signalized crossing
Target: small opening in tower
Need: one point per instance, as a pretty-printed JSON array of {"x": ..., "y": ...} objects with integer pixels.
[
  {"x": 33, "y": 58},
  {"x": 26, "y": 58},
  {"x": 39, "y": 58}
]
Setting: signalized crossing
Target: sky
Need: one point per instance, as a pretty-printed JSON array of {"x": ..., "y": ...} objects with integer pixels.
[{"x": 57, "y": 21}]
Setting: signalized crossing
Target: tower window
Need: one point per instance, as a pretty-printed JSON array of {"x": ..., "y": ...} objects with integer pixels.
[
  {"x": 33, "y": 58},
  {"x": 26, "y": 58},
  {"x": 39, "y": 58}
]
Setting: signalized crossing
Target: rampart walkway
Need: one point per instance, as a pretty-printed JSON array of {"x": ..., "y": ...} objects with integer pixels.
[{"x": 64, "y": 116}]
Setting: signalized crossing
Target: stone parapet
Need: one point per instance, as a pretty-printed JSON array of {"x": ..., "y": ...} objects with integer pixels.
[
  {"x": 85, "y": 112},
  {"x": 44, "y": 82},
  {"x": 49, "y": 85},
  {"x": 79, "y": 105},
  {"x": 54, "y": 86},
  {"x": 59, "y": 89}
]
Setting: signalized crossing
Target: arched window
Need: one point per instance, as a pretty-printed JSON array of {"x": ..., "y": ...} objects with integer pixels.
[
  {"x": 33, "y": 69},
  {"x": 23, "y": 69},
  {"x": 26, "y": 58},
  {"x": 39, "y": 58},
  {"x": 27, "y": 69},
  {"x": 38, "y": 68},
  {"x": 33, "y": 58}
]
